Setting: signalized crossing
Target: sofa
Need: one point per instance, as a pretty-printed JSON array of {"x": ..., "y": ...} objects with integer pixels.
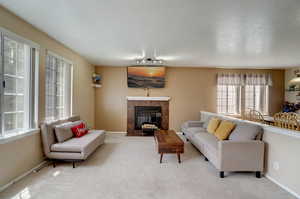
[
  {"x": 244, "y": 152},
  {"x": 69, "y": 148}
]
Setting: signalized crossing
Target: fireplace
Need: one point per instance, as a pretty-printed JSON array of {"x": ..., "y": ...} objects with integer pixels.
[
  {"x": 146, "y": 111},
  {"x": 147, "y": 115}
]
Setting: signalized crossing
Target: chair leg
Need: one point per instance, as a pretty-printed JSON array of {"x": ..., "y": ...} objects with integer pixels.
[
  {"x": 258, "y": 174},
  {"x": 183, "y": 133},
  {"x": 73, "y": 165},
  {"x": 205, "y": 158},
  {"x": 221, "y": 174}
]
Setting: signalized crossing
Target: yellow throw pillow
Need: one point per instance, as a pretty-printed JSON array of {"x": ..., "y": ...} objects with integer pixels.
[
  {"x": 224, "y": 130},
  {"x": 213, "y": 125}
]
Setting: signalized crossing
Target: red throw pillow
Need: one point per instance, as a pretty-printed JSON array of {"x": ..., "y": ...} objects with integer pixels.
[
  {"x": 81, "y": 132},
  {"x": 74, "y": 129}
]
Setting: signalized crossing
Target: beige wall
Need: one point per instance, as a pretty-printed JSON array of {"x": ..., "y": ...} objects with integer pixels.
[
  {"x": 190, "y": 89},
  {"x": 27, "y": 151},
  {"x": 282, "y": 159}
]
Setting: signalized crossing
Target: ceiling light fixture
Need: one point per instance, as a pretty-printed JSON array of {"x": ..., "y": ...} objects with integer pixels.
[{"x": 149, "y": 61}]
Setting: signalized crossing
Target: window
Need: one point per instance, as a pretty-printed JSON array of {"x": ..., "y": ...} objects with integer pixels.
[
  {"x": 239, "y": 92},
  {"x": 58, "y": 87},
  {"x": 228, "y": 99},
  {"x": 256, "y": 97},
  {"x": 18, "y": 71}
]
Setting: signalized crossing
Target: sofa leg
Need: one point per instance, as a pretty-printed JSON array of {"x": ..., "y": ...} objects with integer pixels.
[
  {"x": 183, "y": 133},
  {"x": 221, "y": 174},
  {"x": 258, "y": 174},
  {"x": 73, "y": 165},
  {"x": 53, "y": 163},
  {"x": 187, "y": 139},
  {"x": 205, "y": 158}
]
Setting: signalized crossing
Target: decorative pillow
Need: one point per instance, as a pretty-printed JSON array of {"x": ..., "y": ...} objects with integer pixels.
[
  {"x": 224, "y": 130},
  {"x": 81, "y": 132},
  {"x": 243, "y": 132},
  {"x": 75, "y": 129},
  {"x": 63, "y": 131},
  {"x": 213, "y": 125}
]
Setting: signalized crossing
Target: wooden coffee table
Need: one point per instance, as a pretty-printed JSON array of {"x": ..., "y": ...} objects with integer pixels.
[{"x": 168, "y": 142}]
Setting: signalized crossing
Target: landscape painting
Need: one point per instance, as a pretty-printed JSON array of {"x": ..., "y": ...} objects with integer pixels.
[{"x": 146, "y": 77}]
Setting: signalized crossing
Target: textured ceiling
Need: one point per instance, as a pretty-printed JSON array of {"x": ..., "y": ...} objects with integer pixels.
[{"x": 231, "y": 33}]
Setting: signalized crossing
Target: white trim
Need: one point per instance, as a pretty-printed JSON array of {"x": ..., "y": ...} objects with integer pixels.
[
  {"x": 283, "y": 187},
  {"x": 16, "y": 136},
  {"x": 22, "y": 176},
  {"x": 19, "y": 38},
  {"x": 148, "y": 98},
  {"x": 116, "y": 132}
]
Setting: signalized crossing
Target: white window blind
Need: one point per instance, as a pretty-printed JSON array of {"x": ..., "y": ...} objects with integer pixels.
[
  {"x": 58, "y": 87},
  {"x": 18, "y": 90},
  {"x": 256, "y": 97},
  {"x": 236, "y": 92},
  {"x": 228, "y": 99}
]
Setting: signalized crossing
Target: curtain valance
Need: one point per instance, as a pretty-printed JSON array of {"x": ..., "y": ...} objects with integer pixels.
[
  {"x": 230, "y": 79},
  {"x": 258, "y": 79},
  {"x": 238, "y": 79}
]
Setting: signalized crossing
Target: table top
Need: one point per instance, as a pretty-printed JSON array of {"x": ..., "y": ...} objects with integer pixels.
[{"x": 168, "y": 137}]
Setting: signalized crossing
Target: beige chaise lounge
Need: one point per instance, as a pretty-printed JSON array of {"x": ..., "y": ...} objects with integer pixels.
[
  {"x": 244, "y": 151},
  {"x": 73, "y": 149}
]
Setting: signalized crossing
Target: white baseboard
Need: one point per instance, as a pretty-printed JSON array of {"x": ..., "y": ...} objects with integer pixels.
[
  {"x": 283, "y": 186},
  {"x": 113, "y": 132},
  {"x": 22, "y": 176}
]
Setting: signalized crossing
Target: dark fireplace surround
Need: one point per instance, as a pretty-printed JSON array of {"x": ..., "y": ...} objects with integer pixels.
[{"x": 146, "y": 111}]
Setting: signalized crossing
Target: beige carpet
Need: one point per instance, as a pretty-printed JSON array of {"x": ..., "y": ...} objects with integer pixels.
[{"x": 128, "y": 168}]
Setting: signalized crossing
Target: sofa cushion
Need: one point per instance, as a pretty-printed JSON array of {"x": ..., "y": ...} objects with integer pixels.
[
  {"x": 63, "y": 131},
  {"x": 245, "y": 132},
  {"x": 213, "y": 125},
  {"x": 224, "y": 130},
  {"x": 77, "y": 145},
  {"x": 209, "y": 141}
]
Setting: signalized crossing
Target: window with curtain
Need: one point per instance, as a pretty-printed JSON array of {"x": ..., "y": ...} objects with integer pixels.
[
  {"x": 229, "y": 93},
  {"x": 19, "y": 87},
  {"x": 228, "y": 99},
  {"x": 253, "y": 87},
  {"x": 256, "y": 97},
  {"x": 257, "y": 92},
  {"x": 58, "y": 87}
]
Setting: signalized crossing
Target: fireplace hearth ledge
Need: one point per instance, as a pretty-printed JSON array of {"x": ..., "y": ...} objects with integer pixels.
[{"x": 140, "y": 98}]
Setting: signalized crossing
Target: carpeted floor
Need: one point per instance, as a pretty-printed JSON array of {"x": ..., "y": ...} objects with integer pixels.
[{"x": 128, "y": 168}]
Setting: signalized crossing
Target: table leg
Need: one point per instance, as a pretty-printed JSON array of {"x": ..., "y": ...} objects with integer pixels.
[
  {"x": 161, "y": 156},
  {"x": 178, "y": 156}
]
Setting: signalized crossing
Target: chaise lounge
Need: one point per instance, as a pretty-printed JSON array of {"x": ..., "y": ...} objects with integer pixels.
[{"x": 68, "y": 148}]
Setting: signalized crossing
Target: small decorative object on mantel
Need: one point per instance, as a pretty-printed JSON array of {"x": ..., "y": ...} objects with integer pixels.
[{"x": 96, "y": 80}]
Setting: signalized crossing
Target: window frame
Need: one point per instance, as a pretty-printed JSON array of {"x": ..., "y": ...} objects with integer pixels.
[
  {"x": 266, "y": 99},
  {"x": 33, "y": 83},
  {"x": 241, "y": 101},
  {"x": 238, "y": 100},
  {"x": 69, "y": 85}
]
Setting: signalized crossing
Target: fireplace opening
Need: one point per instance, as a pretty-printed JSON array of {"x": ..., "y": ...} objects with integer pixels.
[{"x": 147, "y": 115}]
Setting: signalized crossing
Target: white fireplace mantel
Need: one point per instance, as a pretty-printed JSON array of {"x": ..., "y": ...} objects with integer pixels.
[{"x": 148, "y": 98}]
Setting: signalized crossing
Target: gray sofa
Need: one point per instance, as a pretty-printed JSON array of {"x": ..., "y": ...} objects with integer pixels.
[
  {"x": 244, "y": 151},
  {"x": 72, "y": 149}
]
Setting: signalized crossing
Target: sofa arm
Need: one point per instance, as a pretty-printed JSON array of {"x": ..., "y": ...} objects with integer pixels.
[
  {"x": 241, "y": 155},
  {"x": 189, "y": 124}
]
